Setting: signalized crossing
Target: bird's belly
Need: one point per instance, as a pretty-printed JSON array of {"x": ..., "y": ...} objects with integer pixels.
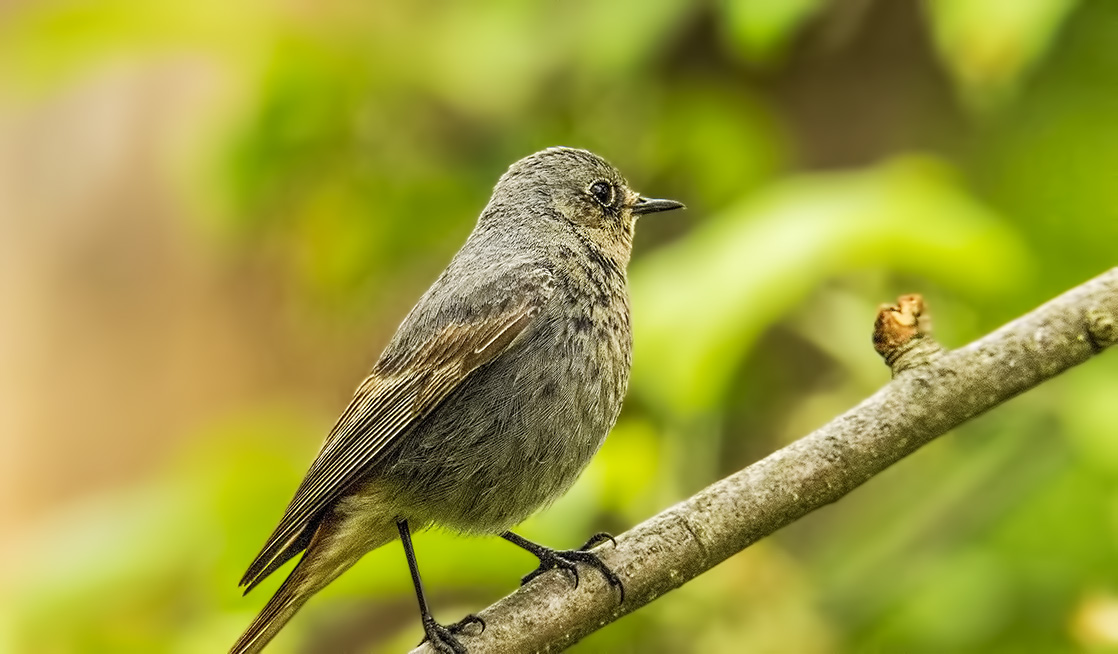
[{"x": 512, "y": 438}]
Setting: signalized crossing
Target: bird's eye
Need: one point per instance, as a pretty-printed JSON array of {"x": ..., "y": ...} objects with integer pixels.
[{"x": 602, "y": 192}]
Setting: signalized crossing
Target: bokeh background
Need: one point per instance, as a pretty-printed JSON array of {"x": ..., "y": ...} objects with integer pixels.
[{"x": 213, "y": 215}]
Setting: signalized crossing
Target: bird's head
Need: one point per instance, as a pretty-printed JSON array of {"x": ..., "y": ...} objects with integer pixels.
[{"x": 582, "y": 189}]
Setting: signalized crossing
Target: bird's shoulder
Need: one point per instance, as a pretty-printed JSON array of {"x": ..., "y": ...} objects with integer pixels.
[{"x": 473, "y": 296}]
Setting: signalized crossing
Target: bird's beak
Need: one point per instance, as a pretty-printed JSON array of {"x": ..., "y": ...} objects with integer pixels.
[{"x": 645, "y": 205}]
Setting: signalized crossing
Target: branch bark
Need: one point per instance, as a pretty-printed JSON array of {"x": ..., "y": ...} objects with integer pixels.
[{"x": 932, "y": 391}]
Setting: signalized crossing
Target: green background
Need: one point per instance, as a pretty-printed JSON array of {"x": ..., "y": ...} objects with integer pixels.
[{"x": 217, "y": 213}]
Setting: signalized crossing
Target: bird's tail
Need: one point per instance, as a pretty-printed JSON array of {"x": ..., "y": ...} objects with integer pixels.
[
  {"x": 292, "y": 594},
  {"x": 336, "y": 545}
]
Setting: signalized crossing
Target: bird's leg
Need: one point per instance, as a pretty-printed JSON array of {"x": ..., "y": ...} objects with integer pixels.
[
  {"x": 568, "y": 559},
  {"x": 443, "y": 639}
]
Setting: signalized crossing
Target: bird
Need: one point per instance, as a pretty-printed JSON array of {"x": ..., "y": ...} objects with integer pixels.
[{"x": 488, "y": 402}]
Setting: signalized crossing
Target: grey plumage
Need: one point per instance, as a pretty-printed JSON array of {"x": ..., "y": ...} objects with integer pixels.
[{"x": 495, "y": 392}]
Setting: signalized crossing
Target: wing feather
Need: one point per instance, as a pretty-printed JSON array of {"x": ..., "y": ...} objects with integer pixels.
[{"x": 386, "y": 403}]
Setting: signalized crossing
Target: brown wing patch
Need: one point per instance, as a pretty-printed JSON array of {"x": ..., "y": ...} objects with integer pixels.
[{"x": 385, "y": 404}]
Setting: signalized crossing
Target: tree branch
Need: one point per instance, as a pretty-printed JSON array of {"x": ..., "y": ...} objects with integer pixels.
[{"x": 933, "y": 391}]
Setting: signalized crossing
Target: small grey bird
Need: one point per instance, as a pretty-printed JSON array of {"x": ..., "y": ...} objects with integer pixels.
[{"x": 489, "y": 401}]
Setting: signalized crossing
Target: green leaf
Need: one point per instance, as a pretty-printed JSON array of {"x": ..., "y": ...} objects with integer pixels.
[
  {"x": 989, "y": 45},
  {"x": 700, "y": 304},
  {"x": 762, "y": 29}
]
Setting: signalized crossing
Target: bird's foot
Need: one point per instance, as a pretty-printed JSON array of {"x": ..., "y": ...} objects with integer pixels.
[
  {"x": 568, "y": 560},
  {"x": 445, "y": 639},
  {"x": 597, "y": 539},
  {"x": 461, "y": 625}
]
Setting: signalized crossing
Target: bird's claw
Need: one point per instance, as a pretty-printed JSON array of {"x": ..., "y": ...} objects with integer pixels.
[
  {"x": 444, "y": 639},
  {"x": 464, "y": 623},
  {"x": 597, "y": 539},
  {"x": 568, "y": 561}
]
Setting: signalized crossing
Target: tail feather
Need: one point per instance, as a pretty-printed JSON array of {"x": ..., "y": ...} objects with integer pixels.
[
  {"x": 292, "y": 594},
  {"x": 262, "y": 568},
  {"x": 336, "y": 544}
]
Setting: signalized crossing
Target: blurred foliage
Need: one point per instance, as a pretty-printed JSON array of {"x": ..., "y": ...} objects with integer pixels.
[
  {"x": 357, "y": 140},
  {"x": 758, "y": 259},
  {"x": 761, "y": 31},
  {"x": 989, "y": 45}
]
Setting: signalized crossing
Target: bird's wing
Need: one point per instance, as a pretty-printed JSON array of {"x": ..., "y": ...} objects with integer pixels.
[{"x": 401, "y": 390}]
